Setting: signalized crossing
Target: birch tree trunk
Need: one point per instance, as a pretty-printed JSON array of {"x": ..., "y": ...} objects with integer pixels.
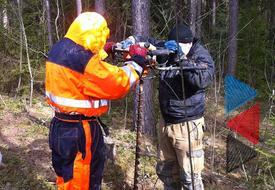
[
  {"x": 5, "y": 19},
  {"x": 232, "y": 43},
  {"x": 4, "y": 24},
  {"x": 141, "y": 26},
  {"x": 48, "y": 18},
  {"x": 20, "y": 62},
  {"x": 22, "y": 28},
  {"x": 100, "y": 6},
  {"x": 56, "y": 19},
  {"x": 63, "y": 16}
]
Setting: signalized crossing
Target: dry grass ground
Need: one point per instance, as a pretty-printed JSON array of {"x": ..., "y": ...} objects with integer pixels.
[{"x": 27, "y": 165}]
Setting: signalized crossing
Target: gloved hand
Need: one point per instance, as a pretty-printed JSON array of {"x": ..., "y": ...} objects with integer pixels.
[
  {"x": 138, "y": 55},
  {"x": 141, "y": 61},
  {"x": 138, "y": 50},
  {"x": 108, "y": 48},
  {"x": 128, "y": 42},
  {"x": 173, "y": 45}
]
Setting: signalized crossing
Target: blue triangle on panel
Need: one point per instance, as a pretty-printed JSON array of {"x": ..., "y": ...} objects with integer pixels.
[{"x": 237, "y": 93}]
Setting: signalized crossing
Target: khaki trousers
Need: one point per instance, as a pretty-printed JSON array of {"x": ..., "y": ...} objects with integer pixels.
[{"x": 174, "y": 165}]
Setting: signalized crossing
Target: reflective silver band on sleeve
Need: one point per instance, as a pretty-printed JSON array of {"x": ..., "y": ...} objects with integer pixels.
[
  {"x": 130, "y": 74},
  {"x": 138, "y": 68}
]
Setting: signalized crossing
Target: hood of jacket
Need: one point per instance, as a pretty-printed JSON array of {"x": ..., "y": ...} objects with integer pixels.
[{"x": 91, "y": 31}]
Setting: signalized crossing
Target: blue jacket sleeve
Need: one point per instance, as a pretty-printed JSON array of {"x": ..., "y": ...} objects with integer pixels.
[{"x": 200, "y": 79}]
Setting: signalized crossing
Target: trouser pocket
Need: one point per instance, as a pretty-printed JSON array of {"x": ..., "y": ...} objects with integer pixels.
[{"x": 196, "y": 130}]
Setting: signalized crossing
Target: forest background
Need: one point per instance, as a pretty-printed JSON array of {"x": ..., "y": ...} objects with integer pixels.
[{"x": 240, "y": 36}]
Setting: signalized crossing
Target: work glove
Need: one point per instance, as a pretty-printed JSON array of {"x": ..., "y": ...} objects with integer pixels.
[
  {"x": 138, "y": 50},
  {"x": 109, "y": 47},
  {"x": 137, "y": 58},
  {"x": 138, "y": 54},
  {"x": 128, "y": 42},
  {"x": 173, "y": 46}
]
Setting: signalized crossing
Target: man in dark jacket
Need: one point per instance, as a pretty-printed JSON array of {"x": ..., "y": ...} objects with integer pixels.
[{"x": 181, "y": 97}]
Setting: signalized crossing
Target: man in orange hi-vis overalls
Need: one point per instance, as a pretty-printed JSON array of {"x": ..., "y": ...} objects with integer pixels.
[{"x": 78, "y": 86}]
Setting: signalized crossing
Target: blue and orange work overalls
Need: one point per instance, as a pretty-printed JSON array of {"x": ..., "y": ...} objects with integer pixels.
[{"x": 79, "y": 85}]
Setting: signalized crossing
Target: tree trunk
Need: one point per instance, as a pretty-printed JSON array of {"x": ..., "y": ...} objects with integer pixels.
[
  {"x": 100, "y": 6},
  {"x": 195, "y": 7},
  {"x": 272, "y": 19},
  {"x": 5, "y": 23},
  {"x": 20, "y": 62},
  {"x": 232, "y": 44},
  {"x": 78, "y": 7},
  {"x": 22, "y": 28},
  {"x": 63, "y": 16},
  {"x": 272, "y": 40},
  {"x": 141, "y": 17},
  {"x": 192, "y": 15},
  {"x": 213, "y": 8},
  {"x": 198, "y": 19},
  {"x": 86, "y": 4},
  {"x": 56, "y": 19},
  {"x": 49, "y": 26},
  {"x": 177, "y": 8},
  {"x": 5, "y": 19},
  {"x": 141, "y": 23}
]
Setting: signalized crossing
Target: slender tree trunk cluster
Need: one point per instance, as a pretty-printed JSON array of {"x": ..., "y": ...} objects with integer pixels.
[{"x": 140, "y": 15}]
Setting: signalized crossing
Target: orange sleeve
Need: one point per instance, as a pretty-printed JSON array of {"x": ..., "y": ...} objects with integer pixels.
[{"x": 105, "y": 81}]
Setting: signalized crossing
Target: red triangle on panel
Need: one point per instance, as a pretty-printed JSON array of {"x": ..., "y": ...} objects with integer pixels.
[{"x": 247, "y": 123}]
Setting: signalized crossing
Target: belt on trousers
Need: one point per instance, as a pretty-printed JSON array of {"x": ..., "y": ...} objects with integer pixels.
[{"x": 77, "y": 117}]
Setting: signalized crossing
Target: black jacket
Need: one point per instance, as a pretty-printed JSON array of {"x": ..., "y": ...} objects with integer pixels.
[{"x": 175, "y": 106}]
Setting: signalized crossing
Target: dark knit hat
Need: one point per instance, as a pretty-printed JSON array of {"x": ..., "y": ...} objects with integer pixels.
[{"x": 184, "y": 34}]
